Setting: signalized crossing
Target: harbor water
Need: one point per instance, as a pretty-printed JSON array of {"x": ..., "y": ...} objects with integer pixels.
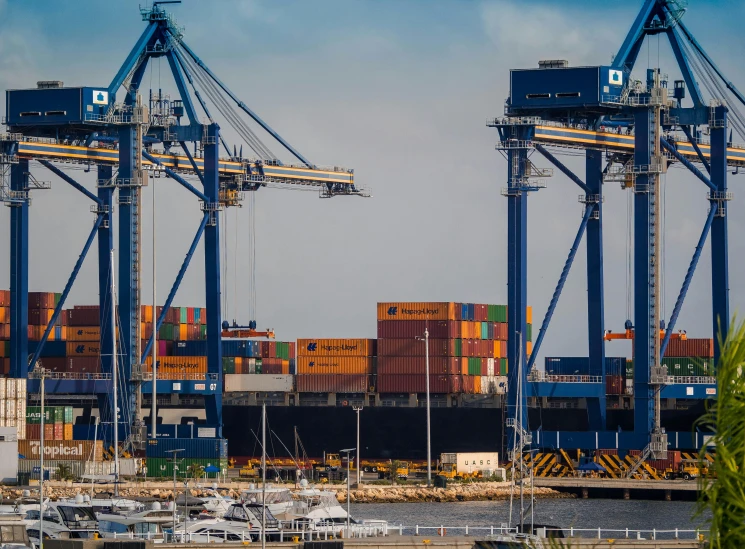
[{"x": 565, "y": 513}]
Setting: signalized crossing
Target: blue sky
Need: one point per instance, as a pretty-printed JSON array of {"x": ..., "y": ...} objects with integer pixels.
[{"x": 398, "y": 90}]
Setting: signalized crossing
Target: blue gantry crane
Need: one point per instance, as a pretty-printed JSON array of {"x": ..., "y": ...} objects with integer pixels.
[
  {"x": 132, "y": 141},
  {"x": 630, "y": 130}
]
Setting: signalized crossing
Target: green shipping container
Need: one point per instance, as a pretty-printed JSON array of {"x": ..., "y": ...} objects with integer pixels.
[
  {"x": 228, "y": 365},
  {"x": 202, "y": 331},
  {"x": 57, "y": 298},
  {"x": 629, "y": 369},
  {"x": 163, "y": 467},
  {"x": 502, "y": 366},
  {"x": 69, "y": 418},
  {"x": 689, "y": 367},
  {"x": 183, "y": 315},
  {"x": 458, "y": 347},
  {"x": 257, "y": 366},
  {"x": 484, "y": 330},
  {"x": 474, "y": 366},
  {"x": 501, "y": 313},
  {"x": 33, "y": 415},
  {"x": 59, "y": 414},
  {"x": 283, "y": 350}
]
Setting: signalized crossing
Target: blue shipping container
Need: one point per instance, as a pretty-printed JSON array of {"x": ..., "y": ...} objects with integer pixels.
[
  {"x": 230, "y": 348},
  {"x": 211, "y": 448},
  {"x": 51, "y": 348}
]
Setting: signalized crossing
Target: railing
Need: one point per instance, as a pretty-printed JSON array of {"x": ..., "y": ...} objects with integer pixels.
[
  {"x": 179, "y": 376},
  {"x": 575, "y": 378},
  {"x": 631, "y": 533}
]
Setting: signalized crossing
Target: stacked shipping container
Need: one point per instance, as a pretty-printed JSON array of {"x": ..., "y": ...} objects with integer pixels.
[
  {"x": 467, "y": 347},
  {"x": 57, "y": 424},
  {"x": 335, "y": 365},
  {"x": 13, "y": 405},
  {"x": 197, "y": 452}
]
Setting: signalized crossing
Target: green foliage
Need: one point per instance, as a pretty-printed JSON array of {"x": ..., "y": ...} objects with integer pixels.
[
  {"x": 64, "y": 472},
  {"x": 722, "y": 490},
  {"x": 195, "y": 471}
]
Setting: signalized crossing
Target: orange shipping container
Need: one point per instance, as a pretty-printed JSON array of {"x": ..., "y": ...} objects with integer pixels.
[
  {"x": 67, "y": 431},
  {"x": 476, "y": 385},
  {"x": 179, "y": 364},
  {"x": 336, "y": 347},
  {"x": 146, "y": 313},
  {"x": 417, "y": 311},
  {"x": 83, "y": 348},
  {"x": 4, "y": 315},
  {"x": 529, "y": 315},
  {"x": 183, "y": 332},
  {"x": 84, "y": 333},
  {"x": 75, "y": 450},
  {"x": 335, "y": 365}
]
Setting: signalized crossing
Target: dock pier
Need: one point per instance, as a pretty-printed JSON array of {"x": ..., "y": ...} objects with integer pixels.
[{"x": 586, "y": 488}]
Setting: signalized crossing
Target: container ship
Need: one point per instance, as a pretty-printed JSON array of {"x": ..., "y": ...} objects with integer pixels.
[{"x": 311, "y": 386}]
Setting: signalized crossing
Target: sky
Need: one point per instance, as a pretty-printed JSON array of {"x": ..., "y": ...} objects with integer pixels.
[{"x": 399, "y": 91}]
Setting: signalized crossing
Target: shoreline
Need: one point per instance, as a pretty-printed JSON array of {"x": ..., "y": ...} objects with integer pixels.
[{"x": 163, "y": 491}]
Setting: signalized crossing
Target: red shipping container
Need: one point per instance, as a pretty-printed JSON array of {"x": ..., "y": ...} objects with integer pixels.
[
  {"x": 417, "y": 365},
  {"x": 4, "y": 366},
  {"x": 292, "y": 350},
  {"x": 409, "y": 329},
  {"x": 468, "y": 384},
  {"x": 203, "y": 315},
  {"x": 40, "y": 300},
  {"x": 690, "y": 348},
  {"x": 83, "y": 316},
  {"x": 455, "y": 384},
  {"x": 83, "y": 364},
  {"x": 49, "y": 431},
  {"x": 33, "y": 432},
  {"x": 408, "y": 383},
  {"x": 40, "y": 317},
  {"x": 59, "y": 433},
  {"x": 5, "y": 332},
  {"x": 272, "y": 366},
  {"x": 333, "y": 383},
  {"x": 55, "y": 364},
  {"x": 5, "y": 298},
  {"x": 190, "y": 315},
  {"x": 609, "y": 452},
  {"x": 614, "y": 385},
  {"x": 481, "y": 312}
]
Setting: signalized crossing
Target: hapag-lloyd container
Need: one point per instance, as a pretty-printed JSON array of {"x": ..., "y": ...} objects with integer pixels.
[
  {"x": 336, "y": 347},
  {"x": 83, "y": 348},
  {"x": 335, "y": 365},
  {"x": 333, "y": 383},
  {"x": 414, "y": 383},
  {"x": 179, "y": 364},
  {"x": 417, "y": 311}
]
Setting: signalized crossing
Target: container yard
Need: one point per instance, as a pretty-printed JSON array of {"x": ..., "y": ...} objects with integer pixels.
[{"x": 131, "y": 380}]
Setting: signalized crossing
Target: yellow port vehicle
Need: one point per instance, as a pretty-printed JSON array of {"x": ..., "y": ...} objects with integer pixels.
[{"x": 687, "y": 470}]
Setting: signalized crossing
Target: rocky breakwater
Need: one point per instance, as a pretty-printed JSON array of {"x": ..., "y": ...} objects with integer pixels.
[
  {"x": 482, "y": 491},
  {"x": 60, "y": 490}
]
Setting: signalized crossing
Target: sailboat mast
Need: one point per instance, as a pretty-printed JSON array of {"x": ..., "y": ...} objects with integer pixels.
[
  {"x": 263, "y": 475},
  {"x": 153, "y": 410},
  {"x": 114, "y": 376}
]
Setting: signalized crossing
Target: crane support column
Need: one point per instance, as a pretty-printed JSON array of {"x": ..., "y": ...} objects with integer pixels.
[
  {"x": 128, "y": 279},
  {"x": 516, "y": 146},
  {"x": 105, "y": 297},
  {"x": 644, "y": 300},
  {"x": 213, "y": 401},
  {"x": 595, "y": 295},
  {"x": 719, "y": 234},
  {"x": 19, "y": 268}
]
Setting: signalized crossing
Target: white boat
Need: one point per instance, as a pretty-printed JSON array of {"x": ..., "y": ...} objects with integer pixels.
[
  {"x": 216, "y": 505},
  {"x": 323, "y": 513},
  {"x": 148, "y": 525},
  {"x": 65, "y": 520},
  {"x": 241, "y": 522},
  {"x": 279, "y": 500}
]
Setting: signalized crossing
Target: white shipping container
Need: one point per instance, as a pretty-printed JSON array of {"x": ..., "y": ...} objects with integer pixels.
[
  {"x": 21, "y": 389},
  {"x": 21, "y": 429},
  {"x": 10, "y": 409},
  {"x": 472, "y": 461},
  {"x": 2, "y": 412},
  {"x": 490, "y": 367},
  {"x": 10, "y": 387},
  {"x": 2, "y": 388},
  {"x": 21, "y": 409},
  {"x": 259, "y": 383}
]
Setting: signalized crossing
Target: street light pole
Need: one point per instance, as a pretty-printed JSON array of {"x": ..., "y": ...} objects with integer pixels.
[
  {"x": 348, "y": 451},
  {"x": 358, "y": 409},
  {"x": 174, "y": 453},
  {"x": 429, "y": 430}
]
